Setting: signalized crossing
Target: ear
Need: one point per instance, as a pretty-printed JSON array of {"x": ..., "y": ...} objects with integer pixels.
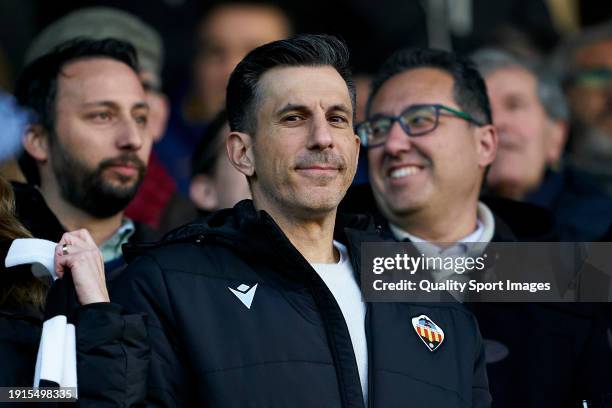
[
  {"x": 486, "y": 139},
  {"x": 240, "y": 152},
  {"x": 36, "y": 143},
  {"x": 555, "y": 141},
  {"x": 203, "y": 193}
]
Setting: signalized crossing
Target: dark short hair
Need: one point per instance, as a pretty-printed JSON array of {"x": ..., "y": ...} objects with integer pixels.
[
  {"x": 36, "y": 87},
  {"x": 209, "y": 148},
  {"x": 308, "y": 50},
  {"x": 469, "y": 91}
]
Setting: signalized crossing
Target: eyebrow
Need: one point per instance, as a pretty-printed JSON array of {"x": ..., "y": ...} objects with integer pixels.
[
  {"x": 114, "y": 105},
  {"x": 291, "y": 107},
  {"x": 341, "y": 108},
  {"x": 141, "y": 105},
  {"x": 295, "y": 107}
]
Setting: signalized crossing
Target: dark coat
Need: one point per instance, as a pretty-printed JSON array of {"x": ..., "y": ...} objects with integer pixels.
[
  {"x": 559, "y": 354},
  {"x": 582, "y": 209},
  {"x": 112, "y": 348},
  {"x": 19, "y": 338},
  {"x": 554, "y": 355},
  {"x": 112, "y": 353},
  {"x": 33, "y": 212},
  {"x": 542, "y": 354},
  {"x": 292, "y": 347}
]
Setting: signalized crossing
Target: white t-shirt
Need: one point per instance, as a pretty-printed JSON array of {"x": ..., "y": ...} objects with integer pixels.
[{"x": 340, "y": 280}]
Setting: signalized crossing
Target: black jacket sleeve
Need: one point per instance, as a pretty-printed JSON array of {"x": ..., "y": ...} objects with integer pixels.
[
  {"x": 142, "y": 288},
  {"x": 113, "y": 356}
]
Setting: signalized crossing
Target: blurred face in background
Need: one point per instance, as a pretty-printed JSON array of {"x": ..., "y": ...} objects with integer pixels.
[
  {"x": 528, "y": 139},
  {"x": 362, "y": 87},
  {"x": 223, "y": 186},
  {"x": 590, "y": 91},
  {"x": 159, "y": 108},
  {"x": 224, "y": 37}
]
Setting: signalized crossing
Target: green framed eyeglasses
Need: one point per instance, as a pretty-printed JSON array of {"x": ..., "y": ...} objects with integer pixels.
[{"x": 416, "y": 120}]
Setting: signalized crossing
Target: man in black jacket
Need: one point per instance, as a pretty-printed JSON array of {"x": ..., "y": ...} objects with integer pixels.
[
  {"x": 259, "y": 305},
  {"x": 426, "y": 172},
  {"x": 85, "y": 152}
]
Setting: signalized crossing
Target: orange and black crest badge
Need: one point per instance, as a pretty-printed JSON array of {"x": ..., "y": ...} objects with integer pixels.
[{"x": 431, "y": 334}]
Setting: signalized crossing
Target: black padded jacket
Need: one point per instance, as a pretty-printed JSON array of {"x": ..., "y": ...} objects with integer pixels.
[{"x": 291, "y": 348}]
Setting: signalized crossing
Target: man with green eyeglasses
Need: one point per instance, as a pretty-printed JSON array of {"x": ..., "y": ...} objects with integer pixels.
[{"x": 429, "y": 140}]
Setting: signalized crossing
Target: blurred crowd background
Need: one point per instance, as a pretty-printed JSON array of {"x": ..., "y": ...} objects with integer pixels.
[{"x": 188, "y": 48}]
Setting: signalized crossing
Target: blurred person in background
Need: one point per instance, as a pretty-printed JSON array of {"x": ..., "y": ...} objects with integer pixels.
[
  {"x": 86, "y": 145},
  {"x": 105, "y": 22},
  {"x": 215, "y": 183},
  {"x": 22, "y": 299},
  {"x": 5, "y": 71},
  {"x": 226, "y": 33},
  {"x": 532, "y": 121},
  {"x": 9, "y": 116},
  {"x": 224, "y": 36},
  {"x": 363, "y": 82},
  {"x": 584, "y": 63},
  {"x": 14, "y": 120},
  {"x": 107, "y": 338}
]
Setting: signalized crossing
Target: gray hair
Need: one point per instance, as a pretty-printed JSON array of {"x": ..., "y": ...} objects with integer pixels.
[{"x": 549, "y": 90}]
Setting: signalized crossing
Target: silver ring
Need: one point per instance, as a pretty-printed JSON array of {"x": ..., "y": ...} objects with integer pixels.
[{"x": 65, "y": 249}]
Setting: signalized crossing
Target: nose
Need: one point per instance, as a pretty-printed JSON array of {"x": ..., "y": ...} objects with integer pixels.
[
  {"x": 130, "y": 135},
  {"x": 320, "y": 135},
  {"x": 398, "y": 141}
]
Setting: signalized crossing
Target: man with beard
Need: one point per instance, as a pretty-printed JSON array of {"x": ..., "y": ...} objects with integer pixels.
[
  {"x": 87, "y": 144},
  {"x": 105, "y": 22}
]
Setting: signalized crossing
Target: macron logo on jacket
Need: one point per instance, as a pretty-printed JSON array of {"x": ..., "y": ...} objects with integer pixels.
[{"x": 245, "y": 294}]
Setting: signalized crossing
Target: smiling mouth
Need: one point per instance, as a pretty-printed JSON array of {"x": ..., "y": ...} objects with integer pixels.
[{"x": 404, "y": 171}]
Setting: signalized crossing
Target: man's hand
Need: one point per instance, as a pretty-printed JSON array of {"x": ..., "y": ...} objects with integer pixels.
[{"x": 78, "y": 253}]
